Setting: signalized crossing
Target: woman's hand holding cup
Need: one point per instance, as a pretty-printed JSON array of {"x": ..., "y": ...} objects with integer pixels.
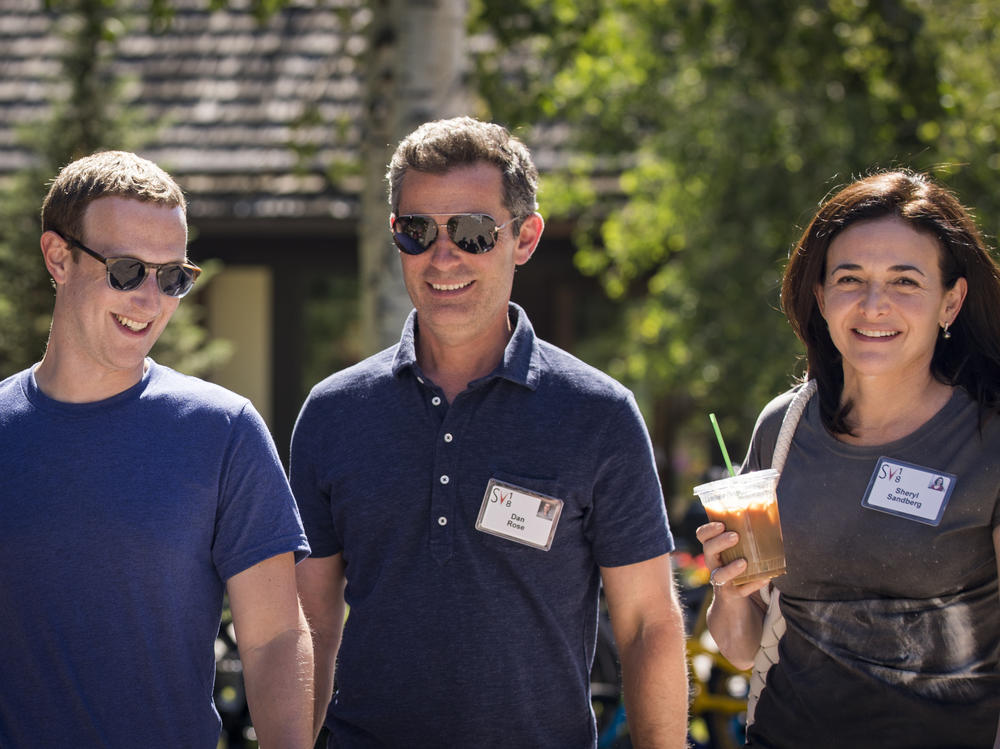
[{"x": 715, "y": 539}]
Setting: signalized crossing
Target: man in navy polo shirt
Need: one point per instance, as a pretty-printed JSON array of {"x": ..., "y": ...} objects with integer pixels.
[{"x": 467, "y": 490}]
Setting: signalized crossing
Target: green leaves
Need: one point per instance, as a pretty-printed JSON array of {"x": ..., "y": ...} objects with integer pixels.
[{"x": 727, "y": 122}]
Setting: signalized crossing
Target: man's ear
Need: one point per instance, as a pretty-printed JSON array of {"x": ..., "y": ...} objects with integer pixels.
[
  {"x": 527, "y": 238},
  {"x": 57, "y": 255}
]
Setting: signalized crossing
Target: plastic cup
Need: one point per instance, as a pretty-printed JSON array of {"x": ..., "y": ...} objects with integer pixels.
[{"x": 748, "y": 504}]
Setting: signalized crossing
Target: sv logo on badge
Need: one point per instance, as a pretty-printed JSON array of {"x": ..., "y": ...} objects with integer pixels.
[{"x": 498, "y": 496}]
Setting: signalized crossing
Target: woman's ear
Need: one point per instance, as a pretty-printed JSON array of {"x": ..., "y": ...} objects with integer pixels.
[
  {"x": 953, "y": 299},
  {"x": 820, "y": 302}
]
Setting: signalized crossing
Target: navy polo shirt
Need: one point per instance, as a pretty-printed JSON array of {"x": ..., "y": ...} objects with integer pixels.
[{"x": 457, "y": 637}]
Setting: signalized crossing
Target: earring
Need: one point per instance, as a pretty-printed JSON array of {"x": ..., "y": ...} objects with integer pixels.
[{"x": 944, "y": 331}]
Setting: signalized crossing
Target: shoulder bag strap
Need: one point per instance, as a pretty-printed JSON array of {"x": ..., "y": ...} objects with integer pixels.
[{"x": 774, "y": 622}]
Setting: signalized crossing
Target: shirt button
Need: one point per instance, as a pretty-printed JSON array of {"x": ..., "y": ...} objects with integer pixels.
[
  {"x": 445, "y": 479},
  {"x": 436, "y": 401},
  {"x": 448, "y": 437},
  {"x": 442, "y": 520},
  {"x": 420, "y": 380}
]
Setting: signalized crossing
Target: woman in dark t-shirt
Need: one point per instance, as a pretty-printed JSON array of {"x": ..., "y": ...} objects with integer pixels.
[{"x": 889, "y": 495}]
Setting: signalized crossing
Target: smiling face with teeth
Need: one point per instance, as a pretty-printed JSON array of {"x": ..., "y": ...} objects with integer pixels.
[
  {"x": 461, "y": 298},
  {"x": 100, "y": 337},
  {"x": 884, "y": 300}
]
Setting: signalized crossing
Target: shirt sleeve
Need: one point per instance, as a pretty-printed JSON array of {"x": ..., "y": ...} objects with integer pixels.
[
  {"x": 312, "y": 493},
  {"x": 257, "y": 517},
  {"x": 629, "y": 519}
]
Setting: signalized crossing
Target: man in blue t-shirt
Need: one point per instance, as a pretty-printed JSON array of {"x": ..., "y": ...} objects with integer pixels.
[
  {"x": 133, "y": 497},
  {"x": 466, "y": 492}
]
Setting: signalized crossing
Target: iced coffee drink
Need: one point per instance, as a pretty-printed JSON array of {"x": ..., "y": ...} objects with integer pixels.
[{"x": 748, "y": 505}]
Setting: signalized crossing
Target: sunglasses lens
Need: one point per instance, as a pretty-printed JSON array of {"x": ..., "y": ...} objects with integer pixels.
[
  {"x": 472, "y": 232},
  {"x": 125, "y": 274},
  {"x": 175, "y": 280},
  {"x": 475, "y": 232},
  {"x": 414, "y": 234}
]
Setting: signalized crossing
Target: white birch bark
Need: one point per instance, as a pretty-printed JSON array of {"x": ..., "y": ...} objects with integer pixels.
[{"x": 416, "y": 72}]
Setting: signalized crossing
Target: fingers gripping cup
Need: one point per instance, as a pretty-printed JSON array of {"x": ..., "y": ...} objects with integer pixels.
[{"x": 748, "y": 504}]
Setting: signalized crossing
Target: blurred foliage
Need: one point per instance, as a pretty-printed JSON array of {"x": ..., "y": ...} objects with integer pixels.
[
  {"x": 707, "y": 132},
  {"x": 89, "y": 113},
  {"x": 332, "y": 326}
]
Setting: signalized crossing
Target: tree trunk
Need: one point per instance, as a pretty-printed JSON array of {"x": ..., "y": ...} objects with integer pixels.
[{"x": 416, "y": 72}]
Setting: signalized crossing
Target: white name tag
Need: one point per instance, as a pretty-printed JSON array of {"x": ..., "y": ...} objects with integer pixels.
[
  {"x": 519, "y": 515},
  {"x": 909, "y": 491}
]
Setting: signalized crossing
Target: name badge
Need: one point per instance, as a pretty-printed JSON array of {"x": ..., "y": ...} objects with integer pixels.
[
  {"x": 909, "y": 491},
  {"x": 519, "y": 515}
]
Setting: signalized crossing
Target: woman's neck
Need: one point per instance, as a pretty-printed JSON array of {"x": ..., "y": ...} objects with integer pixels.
[{"x": 882, "y": 412}]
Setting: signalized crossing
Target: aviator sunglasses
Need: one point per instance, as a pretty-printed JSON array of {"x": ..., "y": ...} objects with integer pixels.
[
  {"x": 127, "y": 273},
  {"x": 471, "y": 232}
]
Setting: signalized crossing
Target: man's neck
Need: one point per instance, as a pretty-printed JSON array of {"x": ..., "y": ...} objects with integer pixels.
[
  {"x": 453, "y": 367},
  {"x": 55, "y": 380}
]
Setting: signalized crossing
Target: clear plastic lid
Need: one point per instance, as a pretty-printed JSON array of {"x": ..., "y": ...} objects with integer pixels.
[{"x": 742, "y": 480}]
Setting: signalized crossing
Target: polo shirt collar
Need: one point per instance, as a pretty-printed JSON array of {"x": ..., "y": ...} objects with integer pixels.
[
  {"x": 521, "y": 363},
  {"x": 406, "y": 350}
]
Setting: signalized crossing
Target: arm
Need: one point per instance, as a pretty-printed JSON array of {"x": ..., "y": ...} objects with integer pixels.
[
  {"x": 276, "y": 651},
  {"x": 736, "y": 616},
  {"x": 321, "y": 586},
  {"x": 649, "y": 631}
]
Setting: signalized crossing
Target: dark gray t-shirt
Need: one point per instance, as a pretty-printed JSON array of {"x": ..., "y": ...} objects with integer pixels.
[{"x": 893, "y": 633}]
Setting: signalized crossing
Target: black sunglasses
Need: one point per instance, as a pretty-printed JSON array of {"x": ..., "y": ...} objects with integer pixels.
[
  {"x": 127, "y": 273},
  {"x": 471, "y": 232}
]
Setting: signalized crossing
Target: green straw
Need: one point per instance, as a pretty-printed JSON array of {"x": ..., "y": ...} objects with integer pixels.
[{"x": 722, "y": 445}]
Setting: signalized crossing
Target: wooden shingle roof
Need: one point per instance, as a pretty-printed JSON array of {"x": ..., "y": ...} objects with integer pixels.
[{"x": 251, "y": 115}]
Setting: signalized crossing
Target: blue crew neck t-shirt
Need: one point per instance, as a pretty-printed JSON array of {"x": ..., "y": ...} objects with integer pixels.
[{"x": 120, "y": 522}]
